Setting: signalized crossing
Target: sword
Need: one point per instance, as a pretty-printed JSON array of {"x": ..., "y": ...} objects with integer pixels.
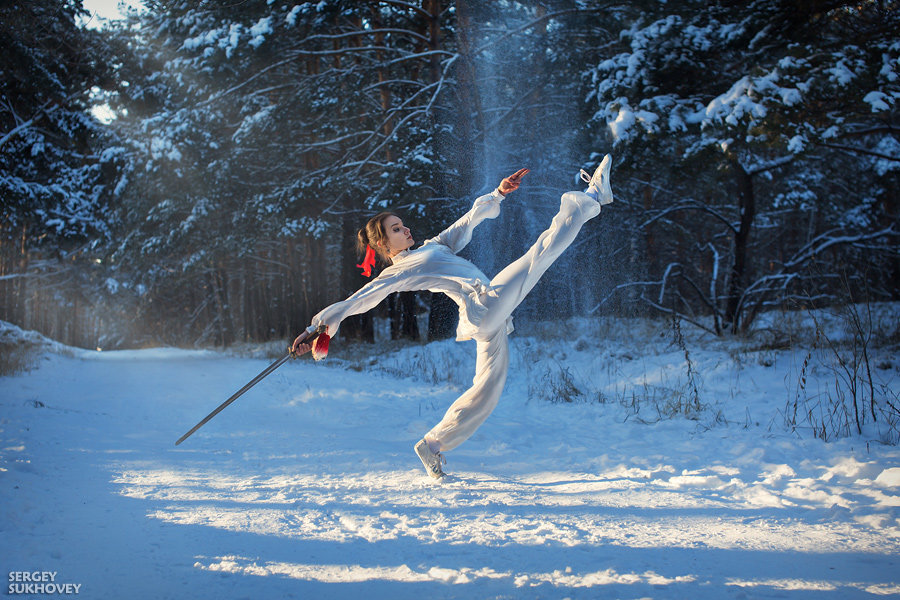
[{"x": 311, "y": 334}]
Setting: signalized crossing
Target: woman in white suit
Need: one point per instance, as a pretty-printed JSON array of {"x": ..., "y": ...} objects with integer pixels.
[{"x": 485, "y": 305}]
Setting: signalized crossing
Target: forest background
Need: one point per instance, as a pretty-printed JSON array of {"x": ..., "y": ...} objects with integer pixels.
[{"x": 195, "y": 174}]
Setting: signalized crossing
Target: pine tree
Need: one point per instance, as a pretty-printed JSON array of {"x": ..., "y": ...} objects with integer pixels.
[
  {"x": 754, "y": 132},
  {"x": 58, "y": 169}
]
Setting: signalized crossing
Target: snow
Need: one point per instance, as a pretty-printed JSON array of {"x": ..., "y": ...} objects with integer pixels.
[
  {"x": 164, "y": 148},
  {"x": 889, "y": 478},
  {"x": 790, "y": 96},
  {"x": 252, "y": 121},
  {"x": 841, "y": 74},
  {"x": 623, "y": 121},
  {"x": 796, "y": 144},
  {"x": 307, "y": 486},
  {"x": 626, "y": 118},
  {"x": 878, "y": 101},
  {"x": 204, "y": 39},
  {"x": 260, "y": 30},
  {"x": 230, "y": 43},
  {"x": 291, "y": 18},
  {"x": 889, "y": 147},
  {"x": 887, "y": 70},
  {"x": 736, "y": 103}
]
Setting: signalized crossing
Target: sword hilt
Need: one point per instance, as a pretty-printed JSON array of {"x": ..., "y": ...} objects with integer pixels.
[{"x": 312, "y": 332}]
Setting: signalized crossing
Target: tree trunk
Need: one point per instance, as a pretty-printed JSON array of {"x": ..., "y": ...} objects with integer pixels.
[
  {"x": 470, "y": 115},
  {"x": 22, "y": 292},
  {"x": 747, "y": 207},
  {"x": 402, "y": 307},
  {"x": 384, "y": 90},
  {"x": 433, "y": 8}
]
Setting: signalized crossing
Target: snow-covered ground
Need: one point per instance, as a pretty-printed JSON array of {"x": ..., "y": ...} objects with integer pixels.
[{"x": 307, "y": 487}]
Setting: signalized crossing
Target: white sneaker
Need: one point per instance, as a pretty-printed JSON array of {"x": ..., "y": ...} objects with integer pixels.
[
  {"x": 431, "y": 459},
  {"x": 598, "y": 184}
]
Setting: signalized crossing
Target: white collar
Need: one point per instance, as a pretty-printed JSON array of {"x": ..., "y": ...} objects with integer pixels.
[{"x": 399, "y": 256}]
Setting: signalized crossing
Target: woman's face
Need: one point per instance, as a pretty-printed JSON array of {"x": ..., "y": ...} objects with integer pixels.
[{"x": 398, "y": 236}]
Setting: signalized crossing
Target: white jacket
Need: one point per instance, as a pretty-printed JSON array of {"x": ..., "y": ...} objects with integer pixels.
[{"x": 434, "y": 267}]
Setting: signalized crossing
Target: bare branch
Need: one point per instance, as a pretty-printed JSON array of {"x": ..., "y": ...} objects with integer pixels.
[
  {"x": 862, "y": 151},
  {"x": 416, "y": 55},
  {"x": 387, "y": 138},
  {"x": 824, "y": 241},
  {"x": 440, "y": 83},
  {"x": 688, "y": 205},
  {"x": 534, "y": 23},
  {"x": 888, "y": 128},
  {"x": 24, "y": 125},
  {"x": 256, "y": 75},
  {"x": 673, "y": 312},
  {"x": 362, "y": 32}
]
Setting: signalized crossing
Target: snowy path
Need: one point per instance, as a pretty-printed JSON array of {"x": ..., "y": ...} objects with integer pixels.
[{"x": 307, "y": 487}]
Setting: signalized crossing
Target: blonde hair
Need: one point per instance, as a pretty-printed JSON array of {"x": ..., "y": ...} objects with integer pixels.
[{"x": 375, "y": 236}]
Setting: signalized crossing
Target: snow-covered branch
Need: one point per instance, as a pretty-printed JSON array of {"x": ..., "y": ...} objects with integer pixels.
[
  {"x": 23, "y": 126},
  {"x": 763, "y": 167}
]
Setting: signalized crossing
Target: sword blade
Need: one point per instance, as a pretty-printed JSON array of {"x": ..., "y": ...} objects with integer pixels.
[
  {"x": 311, "y": 334},
  {"x": 235, "y": 396}
]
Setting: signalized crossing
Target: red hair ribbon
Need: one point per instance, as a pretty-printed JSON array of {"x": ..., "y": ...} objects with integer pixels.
[{"x": 368, "y": 262}]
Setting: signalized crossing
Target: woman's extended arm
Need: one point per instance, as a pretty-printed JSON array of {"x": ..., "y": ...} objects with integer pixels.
[
  {"x": 486, "y": 207},
  {"x": 366, "y": 298},
  {"x": 363, "y": 300}
]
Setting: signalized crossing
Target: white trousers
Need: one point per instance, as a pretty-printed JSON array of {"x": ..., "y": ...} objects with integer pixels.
[{"x": 510, "y": 286}]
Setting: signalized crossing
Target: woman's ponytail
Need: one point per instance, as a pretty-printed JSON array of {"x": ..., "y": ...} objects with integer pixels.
[
  {"x": 366, "y": 251},
  {"x": 372, "y": 239}
]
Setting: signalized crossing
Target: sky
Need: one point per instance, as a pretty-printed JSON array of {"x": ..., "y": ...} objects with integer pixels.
[{"x": 108, "y": 9}]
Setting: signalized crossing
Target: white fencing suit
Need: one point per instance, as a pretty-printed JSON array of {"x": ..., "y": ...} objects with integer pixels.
[{"x": 485, "y": 306}]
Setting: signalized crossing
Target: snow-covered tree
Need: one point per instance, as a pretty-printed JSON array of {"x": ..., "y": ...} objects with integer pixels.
[
  {"x": 759, "y": 137},
  {"x": 50, "y": 169},
  {"x": 58, "y": 168},
  {"x": 261, "y": 135}
]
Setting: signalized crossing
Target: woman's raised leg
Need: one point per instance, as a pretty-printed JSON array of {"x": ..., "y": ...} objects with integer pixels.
[{"x": 512, "y": 284}]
